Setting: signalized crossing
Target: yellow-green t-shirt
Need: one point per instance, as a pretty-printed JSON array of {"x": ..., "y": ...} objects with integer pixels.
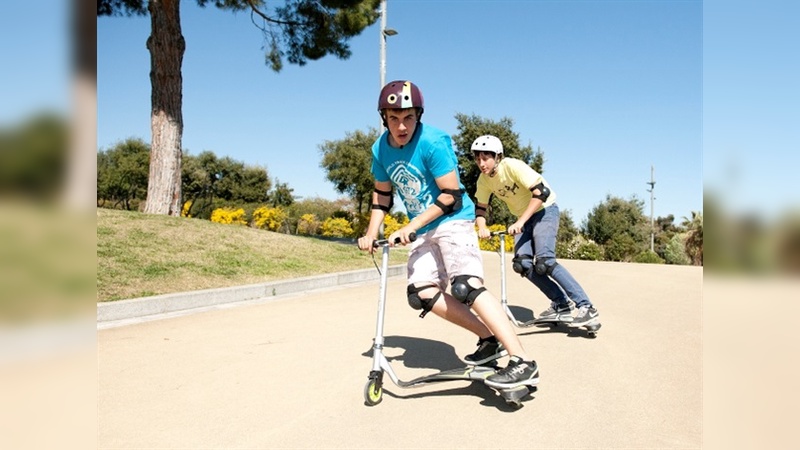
[{"x": 511, "y": 183}]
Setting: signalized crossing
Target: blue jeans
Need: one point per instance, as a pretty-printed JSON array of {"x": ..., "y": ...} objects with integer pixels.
[{"x": 538, "y": 239}]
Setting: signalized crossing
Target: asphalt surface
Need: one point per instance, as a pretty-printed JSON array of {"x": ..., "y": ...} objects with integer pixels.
[{"x": 289, "y": 371}]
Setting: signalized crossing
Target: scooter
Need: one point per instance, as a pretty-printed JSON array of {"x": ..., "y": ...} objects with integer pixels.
[
  {"x": 373, "y": 391},
  {"x": 503, "y": 296},
  {"x": 591, "y": 329}
]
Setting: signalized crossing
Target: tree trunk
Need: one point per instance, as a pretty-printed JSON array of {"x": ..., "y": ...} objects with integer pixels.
[
  {"x": 166, "y": 45},
  {"x": 81, "y": 174}
]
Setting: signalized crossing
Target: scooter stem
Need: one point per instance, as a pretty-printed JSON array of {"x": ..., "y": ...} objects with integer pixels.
[
  {"x": 378, "y": 342},
  {"x": 503, "y": 297}
]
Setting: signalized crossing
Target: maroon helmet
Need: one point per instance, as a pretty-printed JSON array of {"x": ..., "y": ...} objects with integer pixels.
[{"x": 400, "y": 95}]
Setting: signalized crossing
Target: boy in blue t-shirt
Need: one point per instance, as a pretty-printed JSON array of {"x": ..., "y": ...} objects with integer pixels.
[{"x": 418, "y": 160}]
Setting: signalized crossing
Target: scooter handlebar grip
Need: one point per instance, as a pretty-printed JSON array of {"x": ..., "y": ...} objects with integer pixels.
[
  {"x": 411, "y": 238},
  {"x": 381, "y": 242}
]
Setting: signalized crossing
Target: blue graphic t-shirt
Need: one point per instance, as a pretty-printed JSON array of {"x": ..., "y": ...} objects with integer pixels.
[{"x": 413, "y": 170}]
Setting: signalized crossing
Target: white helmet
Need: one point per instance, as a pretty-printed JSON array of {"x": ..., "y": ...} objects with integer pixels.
[{"x": 488, "y": 143}]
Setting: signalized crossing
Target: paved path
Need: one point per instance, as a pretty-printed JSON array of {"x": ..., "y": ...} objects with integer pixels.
[{"x": 290, "y": 372}]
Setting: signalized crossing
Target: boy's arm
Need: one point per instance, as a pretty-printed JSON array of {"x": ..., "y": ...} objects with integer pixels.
[
  {"x": 448, "y": 184},
  {"x": 539, "y": 194},
  {"x": 480, "y": 220},
  {"x": 382, "y": 199}
]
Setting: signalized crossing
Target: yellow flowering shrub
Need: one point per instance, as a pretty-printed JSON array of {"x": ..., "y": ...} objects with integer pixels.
[
  {"x": 493, "y": 243},
  {"x": 185, "y": 209},
  {"x": 390, "y": 224},
  {"x": 268, "y": 218},
  {"x": 308, "y": 224},
  {"x": 229, "y": 216},
  {"x": 337, "y": 227}
]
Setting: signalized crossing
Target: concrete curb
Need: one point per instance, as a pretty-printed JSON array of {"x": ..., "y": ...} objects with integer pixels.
[{"x": 183, "y": 301}]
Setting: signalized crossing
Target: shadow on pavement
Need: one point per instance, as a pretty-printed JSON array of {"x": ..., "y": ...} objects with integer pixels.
[
  {"x": 420, "y": 353},
  {"x": 521, "y": 314}
]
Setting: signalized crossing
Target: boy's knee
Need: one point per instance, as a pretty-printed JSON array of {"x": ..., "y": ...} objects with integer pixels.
[
  {"x": 420, "y": 303},
  {"x": 463, "y": 291},
  {"x": 545, "y": 266}
]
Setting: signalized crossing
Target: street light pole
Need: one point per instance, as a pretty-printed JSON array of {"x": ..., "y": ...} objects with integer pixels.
[
  {"x": 652, "y": 184},
  {"x": 384, "y": 32}
]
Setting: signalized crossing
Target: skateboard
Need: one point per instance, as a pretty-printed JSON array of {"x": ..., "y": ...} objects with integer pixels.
[{"x": 591, "y": 328}]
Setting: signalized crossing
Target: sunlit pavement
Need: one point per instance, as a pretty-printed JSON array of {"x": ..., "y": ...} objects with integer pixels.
[{"x": 290, "y": 372}]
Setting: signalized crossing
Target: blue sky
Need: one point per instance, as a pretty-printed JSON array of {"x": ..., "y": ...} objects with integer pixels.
[
  {"x": 605, "y": 88},
  {"x": 705, "y": 92}
]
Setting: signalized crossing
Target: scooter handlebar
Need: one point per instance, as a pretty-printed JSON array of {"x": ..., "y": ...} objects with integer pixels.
[
  {"x": 499, "y": 233},
  {"x": 381, "y": 242}
]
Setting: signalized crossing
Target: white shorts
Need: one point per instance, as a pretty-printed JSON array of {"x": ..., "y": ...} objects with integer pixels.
[{"x": 449, "y": 250}]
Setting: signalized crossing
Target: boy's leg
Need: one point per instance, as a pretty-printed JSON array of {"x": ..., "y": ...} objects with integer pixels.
[
  {"x": 426, "y": 267},
  {"x": 532, "y": 241},
  {"x": 544, "y": 237},
  {"x": 458, "y": 244},
  {"x": 520, "y": 370},
  {"x": 453, "y": 311},
  {"x": 491, "y": 313}
]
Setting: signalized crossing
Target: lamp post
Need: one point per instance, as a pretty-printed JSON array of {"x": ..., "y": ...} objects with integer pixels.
[
  {"x": 652, "y": 184},
  {"x": 384, "y": 33}
]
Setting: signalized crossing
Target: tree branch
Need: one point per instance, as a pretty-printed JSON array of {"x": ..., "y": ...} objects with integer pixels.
[{"x": 257, "y": 11}]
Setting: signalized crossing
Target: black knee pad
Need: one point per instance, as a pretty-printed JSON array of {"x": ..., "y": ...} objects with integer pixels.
[
  {"x": 419, "y": 303},
  {"x": 545, "y": 266},
  {"x": 463, "y": 292},
  {"x": 522, "y": 264}
]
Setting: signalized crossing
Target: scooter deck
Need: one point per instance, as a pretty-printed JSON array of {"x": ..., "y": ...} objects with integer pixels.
[
  {"x": 468, "y": 373},
  {"x": 512, "y": 396}
]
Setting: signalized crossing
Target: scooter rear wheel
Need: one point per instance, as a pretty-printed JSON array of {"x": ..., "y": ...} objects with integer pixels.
[{"x": 373, "y": 394}]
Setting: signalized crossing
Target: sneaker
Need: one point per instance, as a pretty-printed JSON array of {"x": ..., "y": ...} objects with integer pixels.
[
  {"x": 556, "y": 313},
  {"x": 516, "y": 373},
  {"x": 587, "y": 315},
  {"x": 489, "y": 349}
]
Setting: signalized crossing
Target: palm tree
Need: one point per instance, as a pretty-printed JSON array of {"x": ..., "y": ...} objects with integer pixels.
[{"x": 694, "y": 239}]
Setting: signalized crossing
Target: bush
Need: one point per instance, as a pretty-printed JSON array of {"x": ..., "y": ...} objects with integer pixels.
[
  {"x": 360, "y": 224},
  {"x": 308, "y": 225},
  {"x": 648, "y": 257},
  {"x": 578, "y": 247},
  {"x": 563, "y": 250},
  {"x": 588, "y": 251},
  {"x": 339, "y": 227},
  {"x": 229, "y": 216},
  {"x": 621, "y": 247},
  {"x": 268, "y": 218},
  {"x": 185, "y": 209},
  {"x": 493, "y": 244},
  {"x": 675, "y": 251},
  {"x": 392, "y": 224}
]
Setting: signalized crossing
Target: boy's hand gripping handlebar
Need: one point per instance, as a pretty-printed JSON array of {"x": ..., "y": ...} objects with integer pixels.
[{"x": 383, "y": 242}]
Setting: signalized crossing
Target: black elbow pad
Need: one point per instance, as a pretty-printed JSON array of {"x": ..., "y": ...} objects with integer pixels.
[
  {"x": 544, "y": 192},
  {"x": 449, "y": 208},
  {"x": 378, "y": 205}
]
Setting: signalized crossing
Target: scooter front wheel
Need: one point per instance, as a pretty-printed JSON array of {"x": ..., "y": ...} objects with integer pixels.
[{"x": 373, "y": 392}]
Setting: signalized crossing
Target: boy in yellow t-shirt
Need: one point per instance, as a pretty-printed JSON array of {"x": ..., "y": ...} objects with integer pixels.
[{"x": 530, "y": 198}]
